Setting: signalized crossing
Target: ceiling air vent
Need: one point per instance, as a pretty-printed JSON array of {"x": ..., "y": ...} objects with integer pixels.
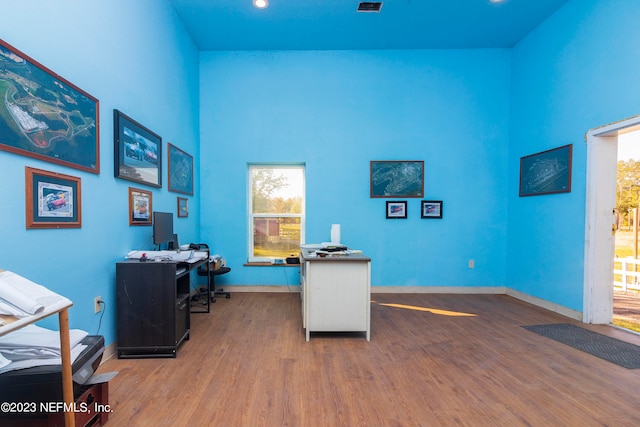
[{"x": 370, "y": 6}]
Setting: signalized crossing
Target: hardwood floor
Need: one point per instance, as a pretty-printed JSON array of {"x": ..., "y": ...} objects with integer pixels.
[{"x": 433, "y": 360}]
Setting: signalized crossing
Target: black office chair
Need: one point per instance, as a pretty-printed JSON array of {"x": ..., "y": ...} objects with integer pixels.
[{"x": 207, "y": 271}]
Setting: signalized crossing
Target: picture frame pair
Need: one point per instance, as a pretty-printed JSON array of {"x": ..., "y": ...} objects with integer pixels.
[
  {"x": 138, "y": 157},
  {"x": 141, "y": 207},
  {"x": 429, "y": 209}
]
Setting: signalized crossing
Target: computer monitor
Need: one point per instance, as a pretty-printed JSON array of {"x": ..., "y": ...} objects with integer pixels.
[{"x": 162, "y": 227}]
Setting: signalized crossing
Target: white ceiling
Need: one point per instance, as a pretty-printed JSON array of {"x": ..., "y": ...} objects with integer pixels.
[{"x": 335, "y": 24}]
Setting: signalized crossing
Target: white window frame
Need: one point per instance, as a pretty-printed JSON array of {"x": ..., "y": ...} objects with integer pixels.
[{"x": 251, "y": 215}]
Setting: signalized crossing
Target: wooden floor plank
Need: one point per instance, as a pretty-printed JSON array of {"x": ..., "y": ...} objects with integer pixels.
[{"x": 433, "y": 360}]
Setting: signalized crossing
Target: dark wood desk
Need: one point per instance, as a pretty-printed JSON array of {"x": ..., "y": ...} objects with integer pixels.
[{"x": 153, "y": 307}]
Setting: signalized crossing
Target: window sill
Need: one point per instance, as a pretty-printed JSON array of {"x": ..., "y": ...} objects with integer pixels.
[{"x": 268, "y": 264}]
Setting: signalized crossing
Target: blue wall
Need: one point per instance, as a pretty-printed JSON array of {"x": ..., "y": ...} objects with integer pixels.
[
  {"x": 134, "y": 56},
  {"x": 577, "y": 71},
  {"x": 336, "y": 111},
  {"x": 469, "y": 114}
]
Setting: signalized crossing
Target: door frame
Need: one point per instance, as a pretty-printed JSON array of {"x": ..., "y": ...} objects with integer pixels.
[{"x": 602, "y": 161}]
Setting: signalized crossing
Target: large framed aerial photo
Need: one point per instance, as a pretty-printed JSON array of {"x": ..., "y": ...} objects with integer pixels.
[
  {"x": 180, "y": 170},
  {"x": 138, "y": 151},
  {"x": 397, "y": 178},
  {"x": 547, "y": 172},
  {"x": 53, "y": 200},
  {"x": 44, "y": 116}
]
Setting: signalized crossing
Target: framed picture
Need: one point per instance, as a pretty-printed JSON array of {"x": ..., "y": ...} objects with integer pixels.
[
  {"x": 183, "y": 207},
  {"x": 140, "y": 207},
  {"x": 396, "y": 210},
  {"x": 53, "y": 200},
  {"x": 138, "y": 152},
  {"x": 547, "y": 172},
  {"x": 431, "y": 209},
  {"x": 180, "y": 170},
  {"x": 44, "y": 116},
  {"x": 397, "y": 178}
]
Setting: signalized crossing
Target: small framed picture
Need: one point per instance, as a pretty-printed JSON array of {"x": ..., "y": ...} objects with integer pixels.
[
  {"x": 431, "y": 209},
  {"x": 396, "y": 210},
  {"x": 183, "y": 207},
  {"x": 140, "y": 207},
  {"x": 53, "y": 200}
]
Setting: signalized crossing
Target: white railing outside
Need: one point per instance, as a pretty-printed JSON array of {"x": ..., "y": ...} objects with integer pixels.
[{"x": 627, "y": 276}]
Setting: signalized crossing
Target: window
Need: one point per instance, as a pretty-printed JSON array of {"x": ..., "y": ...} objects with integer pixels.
[{"x": 276, "y": 211}]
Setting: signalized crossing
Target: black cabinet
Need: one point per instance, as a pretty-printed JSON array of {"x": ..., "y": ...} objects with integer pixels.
[{"x": 152, "y": 308}]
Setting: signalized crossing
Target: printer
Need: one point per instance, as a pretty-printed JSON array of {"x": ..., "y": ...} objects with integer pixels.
[{"x": 43, "y": 384}]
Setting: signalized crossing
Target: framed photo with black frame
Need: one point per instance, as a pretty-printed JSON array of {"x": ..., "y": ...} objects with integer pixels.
[
  {"x": 397, "y": 210},
  {"x": 140, "y": 207},
  {"x": 45, "y": 116},
  {"x": 53, "y": 200},
  {"x": 183, "y": 207},
  {"x": 180, "y": 170},
  {"x": 431, "y": 209},
  {"x": 137, "y": 151},
  {"x": 547, "y": 172}
]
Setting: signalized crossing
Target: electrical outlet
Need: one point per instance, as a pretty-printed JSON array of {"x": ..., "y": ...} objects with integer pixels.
[
  {"x": 472, "y": 263},
  {"x": 97, "y": 307}
]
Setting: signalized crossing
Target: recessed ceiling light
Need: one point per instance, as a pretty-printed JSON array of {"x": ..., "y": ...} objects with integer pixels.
[
  {"x": 261, "y": 4},
  {"x": 369, "y": 6}
]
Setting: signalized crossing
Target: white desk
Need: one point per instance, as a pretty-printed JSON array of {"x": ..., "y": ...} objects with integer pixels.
[{"x": 335, "y": 293}]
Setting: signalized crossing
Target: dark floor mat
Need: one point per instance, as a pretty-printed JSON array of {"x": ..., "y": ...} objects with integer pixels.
[{"x": 608, "y": 348}]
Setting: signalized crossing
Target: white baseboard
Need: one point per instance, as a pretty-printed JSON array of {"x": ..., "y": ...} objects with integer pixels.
[
  {"x": 490, "y": 290},
  {"x": 572, "y": 314},
  {"x": 259, "y": 288},
  {"x": 381, "y": 289},
  {"x": 469, "y": 290}
]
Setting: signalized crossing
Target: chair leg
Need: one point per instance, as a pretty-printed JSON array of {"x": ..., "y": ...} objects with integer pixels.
[{"x": 219, "y": 292}]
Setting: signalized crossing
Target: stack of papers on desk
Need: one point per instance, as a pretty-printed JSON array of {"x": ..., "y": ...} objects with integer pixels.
[
  {"x": 321, "y": 252},
  {"x": 311, "y": 246},
  {"x": 36, "y": 346},
  {"x": 21, "y": 297},
  {"x": 181, "y": 256}
]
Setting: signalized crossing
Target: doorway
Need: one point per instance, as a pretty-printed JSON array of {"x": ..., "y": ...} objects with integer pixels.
[
  {"x": 626, "y": 283},
  {"x": 600, "y": 220}
]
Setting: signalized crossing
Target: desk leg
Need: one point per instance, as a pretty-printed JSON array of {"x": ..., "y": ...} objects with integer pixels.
[{"x": 67, "y": 381}]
